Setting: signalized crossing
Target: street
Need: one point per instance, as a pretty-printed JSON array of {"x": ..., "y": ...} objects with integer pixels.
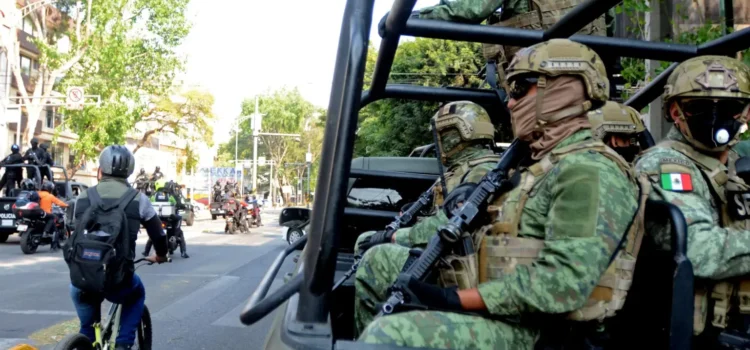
[{"x": 195, "y": 303}]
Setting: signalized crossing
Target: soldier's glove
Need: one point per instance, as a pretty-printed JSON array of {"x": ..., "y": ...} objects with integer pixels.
[
  {"x": 379, "y": 237},
  {"x": 435, "y": 297},
  {"x": 457, "y": 197}
]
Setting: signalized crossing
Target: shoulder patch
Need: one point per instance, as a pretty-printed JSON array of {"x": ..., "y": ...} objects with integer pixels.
[{"x": 677, "y": 182}]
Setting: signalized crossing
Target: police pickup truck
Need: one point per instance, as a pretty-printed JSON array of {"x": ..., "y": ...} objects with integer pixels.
[{"x": 65, "y": 190}]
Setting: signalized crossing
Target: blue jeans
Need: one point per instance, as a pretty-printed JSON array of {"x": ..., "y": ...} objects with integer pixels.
[{"x": 88, "y": 306}]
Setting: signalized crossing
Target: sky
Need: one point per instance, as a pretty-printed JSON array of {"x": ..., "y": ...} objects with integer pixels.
[{"x": 247, "y": 48}]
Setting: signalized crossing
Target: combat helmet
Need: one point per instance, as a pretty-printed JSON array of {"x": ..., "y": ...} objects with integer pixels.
[
  {"x": 615, "y": 118},
  {"x": 459, "y": 124},
  {"x": 561, "y": 57},
  {"x": 709, "y": 79}
]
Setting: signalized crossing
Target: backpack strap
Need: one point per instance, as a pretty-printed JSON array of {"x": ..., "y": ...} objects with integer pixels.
[
  {"x": 94, "y": 197},
  {"x": 126, "y": 198}
]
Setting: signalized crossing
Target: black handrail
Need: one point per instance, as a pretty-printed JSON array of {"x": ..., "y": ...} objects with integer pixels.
[
  {"x": 394, "y": 24},
  {"x": 335, "y": 163},
  {"x": 681, "y": 316},
  {"x": 257, "y": 306},
  {"x": 653, "y": 90},
  {"x": 427, "y": 93}
]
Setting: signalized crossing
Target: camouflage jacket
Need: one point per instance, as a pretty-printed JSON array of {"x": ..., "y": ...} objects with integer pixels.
[
  {"x": 716, "y": 252},
  {"x": 476, "y": 11},
  {"x": 458, "y": 172},
  {"x": 581, "y": 208}
]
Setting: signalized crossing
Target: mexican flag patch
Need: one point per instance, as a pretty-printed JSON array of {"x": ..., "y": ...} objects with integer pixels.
[{"x": 677, "y": 182}]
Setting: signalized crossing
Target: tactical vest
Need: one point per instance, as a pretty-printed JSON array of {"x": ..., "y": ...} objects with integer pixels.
[
  {"x": 502, "y": 249},
  {"x": 727, "y": 190},
  {"x": 461, "y": 270},
  {"x": 456, "y": 175},
  {"x": 542, "y": 15}
]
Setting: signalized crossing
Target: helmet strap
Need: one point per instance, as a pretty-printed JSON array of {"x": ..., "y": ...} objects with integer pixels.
[{"x": 541, "y": 84}]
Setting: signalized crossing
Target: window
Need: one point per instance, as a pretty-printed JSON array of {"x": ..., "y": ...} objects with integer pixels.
[
  {"x": 58, "y": 152},
  {"x": 25, "y": 65},
  {"x": 375, "y": 198},
  {"x": 49, "y": 120},
  {"x": 28, "y": 26}
]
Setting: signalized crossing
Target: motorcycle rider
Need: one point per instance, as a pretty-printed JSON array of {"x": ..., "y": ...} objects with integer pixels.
[
  {"x": 141, "y": 181},
  {"x": 46, "y": 159},
  {"x": 46, "y": 199},
  {"x": 12, "y": 176},
  {"x": 161, "y": 195},
  {"x": 34, "y": 156},
  {"x": 239, "y": 209},
  {"x": 217, "y": 191},
  {"x": 157, "y": 174},
  {"x": 116, "y": 164},
  {"x": 256, "y": 208}
]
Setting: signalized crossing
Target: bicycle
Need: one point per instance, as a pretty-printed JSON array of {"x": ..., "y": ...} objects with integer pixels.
[{"x": 106, "y": 335}]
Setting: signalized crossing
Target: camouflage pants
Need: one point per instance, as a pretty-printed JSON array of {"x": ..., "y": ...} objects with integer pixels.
[
  {"x": 444, "y": 330},
  {"x": 378, "y": 270}
]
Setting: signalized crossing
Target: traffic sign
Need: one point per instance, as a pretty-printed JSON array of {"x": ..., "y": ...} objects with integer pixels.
[
  {"x": 261, "y": 161},
  {"x": 74, "y": 97}
]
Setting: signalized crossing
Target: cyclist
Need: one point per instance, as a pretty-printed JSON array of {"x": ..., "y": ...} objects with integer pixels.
[
  {"x": 46, "y": 199},
  {"x": 116, "y": 164}
]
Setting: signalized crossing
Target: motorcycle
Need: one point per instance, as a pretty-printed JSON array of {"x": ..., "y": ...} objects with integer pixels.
[
  {"x": 253, "y": 214},
  {"x": 233, "y": 224},
  {"x": 167, "y": 224},
  {"x": 33, "y": 220}
]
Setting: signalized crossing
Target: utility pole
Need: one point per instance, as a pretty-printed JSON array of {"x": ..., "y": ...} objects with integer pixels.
[
  {"x": 257, "y": 118},
  {"x": 308, "y": 161}
]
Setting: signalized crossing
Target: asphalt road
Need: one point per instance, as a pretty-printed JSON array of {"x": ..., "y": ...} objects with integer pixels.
[{"x": 195, "y": 303}]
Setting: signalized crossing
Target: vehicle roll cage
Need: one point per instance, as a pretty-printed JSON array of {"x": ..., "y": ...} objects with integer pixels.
[{"x": 318, "y": 264}]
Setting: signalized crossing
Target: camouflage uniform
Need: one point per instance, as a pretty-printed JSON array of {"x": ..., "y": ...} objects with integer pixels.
[
  {"x": 515, "y": 14},
  {"x": 467, "y": 162},
  {"x": 686, "y": 171},
  {"x": 576, "y": 211}
]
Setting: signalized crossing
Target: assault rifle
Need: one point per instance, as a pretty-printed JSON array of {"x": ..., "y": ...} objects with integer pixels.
[
  {"x": 492, "y": 184},
  {"x": 403, "y": 219}
]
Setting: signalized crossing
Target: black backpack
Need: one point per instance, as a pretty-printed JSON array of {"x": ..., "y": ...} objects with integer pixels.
[{"x": 97, "y": 252}]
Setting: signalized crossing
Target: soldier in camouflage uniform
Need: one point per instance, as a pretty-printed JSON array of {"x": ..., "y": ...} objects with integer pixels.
[
  {"x": 694, "y": 168},
  {"x": 547, "y": 245},
  {"x": 618, "y": 126},
  {"x": 523, "y": 14},
  {"x": 465, "y": 135}
]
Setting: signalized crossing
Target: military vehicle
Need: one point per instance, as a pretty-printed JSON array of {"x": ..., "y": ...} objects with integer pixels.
[{"x": 659, "y": 310}]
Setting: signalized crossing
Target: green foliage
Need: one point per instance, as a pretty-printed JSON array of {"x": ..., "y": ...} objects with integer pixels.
[
  {"x": 188, "y": 115},
  {"x": 127, "y": 50},
  {"x": 395, "y": 127},
  {"x": 287, "y": 112}
]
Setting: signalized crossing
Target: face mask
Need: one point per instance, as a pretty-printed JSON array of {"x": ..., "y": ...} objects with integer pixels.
[
  {"x": 712, "y": 123},
  {"x": 628, "y": 153}
]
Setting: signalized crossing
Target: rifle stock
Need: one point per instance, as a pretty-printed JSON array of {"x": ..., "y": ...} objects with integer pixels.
[{"x": 451, "y": 232}]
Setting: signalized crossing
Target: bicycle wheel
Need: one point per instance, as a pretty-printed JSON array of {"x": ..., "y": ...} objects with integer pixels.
[
  {"x": 145, "y": 336},
  {"x": 75, "y": 341}
]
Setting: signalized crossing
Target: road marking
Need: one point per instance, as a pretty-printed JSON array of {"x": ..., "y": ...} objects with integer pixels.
[
  {"x": 187, "y": 305},
  {"x": 39, "y": 312},
  {"x": 30, "y": 261}
]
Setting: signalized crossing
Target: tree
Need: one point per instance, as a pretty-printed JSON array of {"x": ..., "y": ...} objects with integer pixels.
[
  {"x": 188, "y": 116},
  {"x": 286, "y": 111},
  {"x": 128, "y": 52},
  {"x": 393, "y": 127}
]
